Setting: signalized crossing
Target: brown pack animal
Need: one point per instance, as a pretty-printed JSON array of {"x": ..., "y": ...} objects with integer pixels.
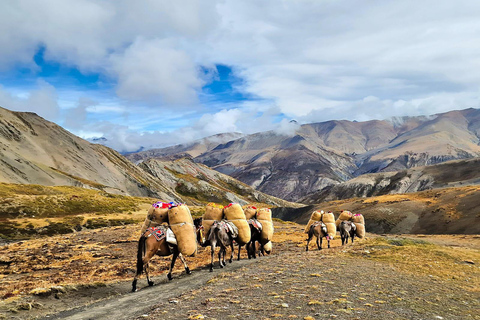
[
  {"x": 347, "y": 229},
  {"x": 152, "y": 243},
  {"x": 319, "y": 230}
]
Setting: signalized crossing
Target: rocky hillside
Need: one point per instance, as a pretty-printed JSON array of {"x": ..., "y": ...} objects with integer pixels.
[
  {"x": 448, "y": 174},
  {"x": 33, "y": 150},
  {"x": 192, "y": 149},
  {"x": 328, "y": 153},
  {"x": 198, "y": 183},
  {"x": 453, "y": 210},
  {"x": 36, "y": 151}
]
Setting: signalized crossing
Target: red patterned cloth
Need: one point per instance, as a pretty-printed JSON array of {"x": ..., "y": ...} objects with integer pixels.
[{"x": 157, "y": 232}]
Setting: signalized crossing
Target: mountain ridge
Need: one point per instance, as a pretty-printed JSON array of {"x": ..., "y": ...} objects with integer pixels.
[{"x": 327, "y": 153}]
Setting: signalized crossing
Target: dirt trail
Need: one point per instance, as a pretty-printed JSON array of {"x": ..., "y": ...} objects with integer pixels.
[{"x": 130, "y": 305}]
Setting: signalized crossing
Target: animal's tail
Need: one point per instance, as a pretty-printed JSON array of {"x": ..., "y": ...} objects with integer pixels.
[
  {"x": 310, "y": 232},
  {"x": 140, "y": 254}
]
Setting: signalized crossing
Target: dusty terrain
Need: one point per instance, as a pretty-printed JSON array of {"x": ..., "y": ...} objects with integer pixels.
[{"x": 381, "y": 277}]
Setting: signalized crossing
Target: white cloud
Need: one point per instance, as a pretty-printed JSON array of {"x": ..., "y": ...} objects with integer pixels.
[
  {"x": 42, "y": 100},
  {"x": 308, "y": 60},
  {"x": 154, "y": 70},
  {"x": 76, "y": 118}
]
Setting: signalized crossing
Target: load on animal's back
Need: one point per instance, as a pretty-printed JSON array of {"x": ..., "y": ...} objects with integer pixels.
[
  {"x": 155, "y": 240},
  {"x": 181, "y": 223},
  {"x": 234, "y": 213},
  {"x": 213, "y": 212},
  {"x": 264, "y": 216},
  {"x": 327, "y": 218},
  {"x": 157, "y": 215}
]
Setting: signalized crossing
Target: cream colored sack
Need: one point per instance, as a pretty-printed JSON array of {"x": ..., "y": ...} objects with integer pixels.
[
  {"x": 358, "y": 218},
  {"x": 181, "y": 223},
  {"x": 250, "y": 212},
  {"x": 345, "y": 215},
  {"x": 234, "y": 213},
  {"x": 265, "y": 217},
  {"x": 316, "y": 216},
  {"x": 213, "y": 212}
]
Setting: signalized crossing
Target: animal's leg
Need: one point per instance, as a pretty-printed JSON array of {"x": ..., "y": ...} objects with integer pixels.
[
  {"x": 248, "y": 245},
  {"x": 343, "y": 239},
  {"x": 233, "y": 249},
  {"x": 254, "y": 249},
  {"x": 172, "y": 264},
  {"x": 187, "y": 269},
  {"x": 328, "y": 242},
  {"x": 321, "y": 240},
  {"x": 212, "y": 246},
  {"x": 224, "y": 256},
  {"x": 238, "y": 257},
  {"x": 353, "y": 236},
  {"x": 220, "y": 257},
  {"x": 150, "y": 282}
]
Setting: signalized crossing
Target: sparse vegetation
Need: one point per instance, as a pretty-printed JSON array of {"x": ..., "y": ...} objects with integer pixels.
[
  {"x": 422, "y": 257},
  {"x": 32, "y": 210}
]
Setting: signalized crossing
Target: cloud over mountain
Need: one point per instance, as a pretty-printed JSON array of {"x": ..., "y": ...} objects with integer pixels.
[{"x": 309, "y": 61}]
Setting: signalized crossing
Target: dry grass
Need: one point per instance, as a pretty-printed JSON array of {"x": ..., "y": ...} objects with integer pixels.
[{"x": 423, "y": 258}]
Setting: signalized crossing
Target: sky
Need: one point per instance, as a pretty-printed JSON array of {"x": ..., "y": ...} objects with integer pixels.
[{"x": 154, "y": 73}]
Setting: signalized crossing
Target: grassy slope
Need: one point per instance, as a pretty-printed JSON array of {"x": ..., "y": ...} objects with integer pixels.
[
  {"x": 30, "y": 210},
  {"x": 439, "y": 211}
]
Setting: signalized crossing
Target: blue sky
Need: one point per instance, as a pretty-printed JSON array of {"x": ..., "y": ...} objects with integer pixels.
[{"x": 157, "y": 73}]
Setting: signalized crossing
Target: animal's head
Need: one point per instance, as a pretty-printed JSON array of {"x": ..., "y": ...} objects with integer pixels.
[{"x": 197, "y": 222}]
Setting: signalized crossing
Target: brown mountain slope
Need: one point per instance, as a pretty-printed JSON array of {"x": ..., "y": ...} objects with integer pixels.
[
  {"x": 198, "y": 183},
  {"x": 36, "y": 151},
  {"x": 448, "y": 174},
  {"x": 440, "y": 211}
]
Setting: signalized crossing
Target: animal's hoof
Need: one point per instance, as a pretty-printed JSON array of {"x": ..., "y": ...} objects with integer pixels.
[
  {"x": 211, "y": 270},
  {"x": 230, "y": 261},
  {"x": 134, "y": 289},
  {"x": 188, "y": 271},
  {"x": 169, "y": 276},
  {"x": 150, "y": 283}
]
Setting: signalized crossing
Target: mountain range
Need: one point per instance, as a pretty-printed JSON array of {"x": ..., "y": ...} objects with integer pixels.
[
  {"x": 321, "y": 155},
  {"x": 36, "y": 151}
]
